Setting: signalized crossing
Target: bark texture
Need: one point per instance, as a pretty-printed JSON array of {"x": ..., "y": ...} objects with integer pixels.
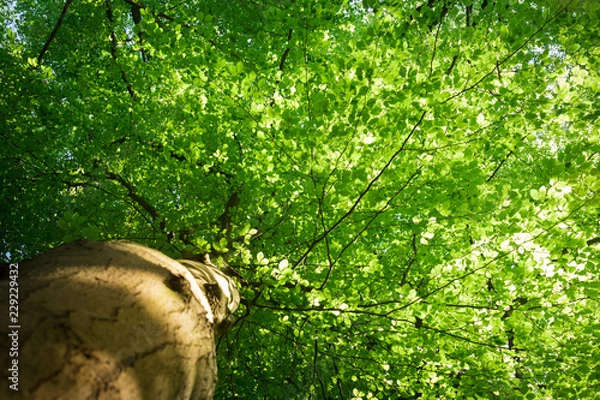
[{"x": 114, "y": 321}]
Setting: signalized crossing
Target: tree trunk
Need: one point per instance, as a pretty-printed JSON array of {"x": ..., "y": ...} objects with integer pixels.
[{"x": 109, "y": 321}]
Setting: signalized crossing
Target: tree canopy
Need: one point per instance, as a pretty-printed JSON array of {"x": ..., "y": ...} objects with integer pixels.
[{"x": 406, "y": 191}]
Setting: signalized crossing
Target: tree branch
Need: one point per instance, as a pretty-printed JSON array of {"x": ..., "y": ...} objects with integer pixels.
[
  {"x": 316, "y": 370},
  {"x": 286, "y": 52},
  {"x": 465, "y": 339},
  {"x": 54, "y": 32},
  {"x": 452, "y": 64},
  {"x": 113, "y": 49},
  {"x": 362, "y": 194},
  {"x": 593, "y": 241},
  {"x": 411, "y": 262},
  {"x": 131, "y": 193},
  {"x": 367, "y": 225}
]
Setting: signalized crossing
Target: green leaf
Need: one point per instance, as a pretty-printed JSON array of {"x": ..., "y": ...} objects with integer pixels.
[{"x": 394, "y": 162}]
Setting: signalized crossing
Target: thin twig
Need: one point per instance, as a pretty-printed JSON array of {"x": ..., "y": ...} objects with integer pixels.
[
  {"x": 504, "y": 60},
  {"x": 498, "y": 167}
]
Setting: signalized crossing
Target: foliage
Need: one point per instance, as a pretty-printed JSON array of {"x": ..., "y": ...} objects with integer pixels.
[{"x": 407, "y": 191}]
